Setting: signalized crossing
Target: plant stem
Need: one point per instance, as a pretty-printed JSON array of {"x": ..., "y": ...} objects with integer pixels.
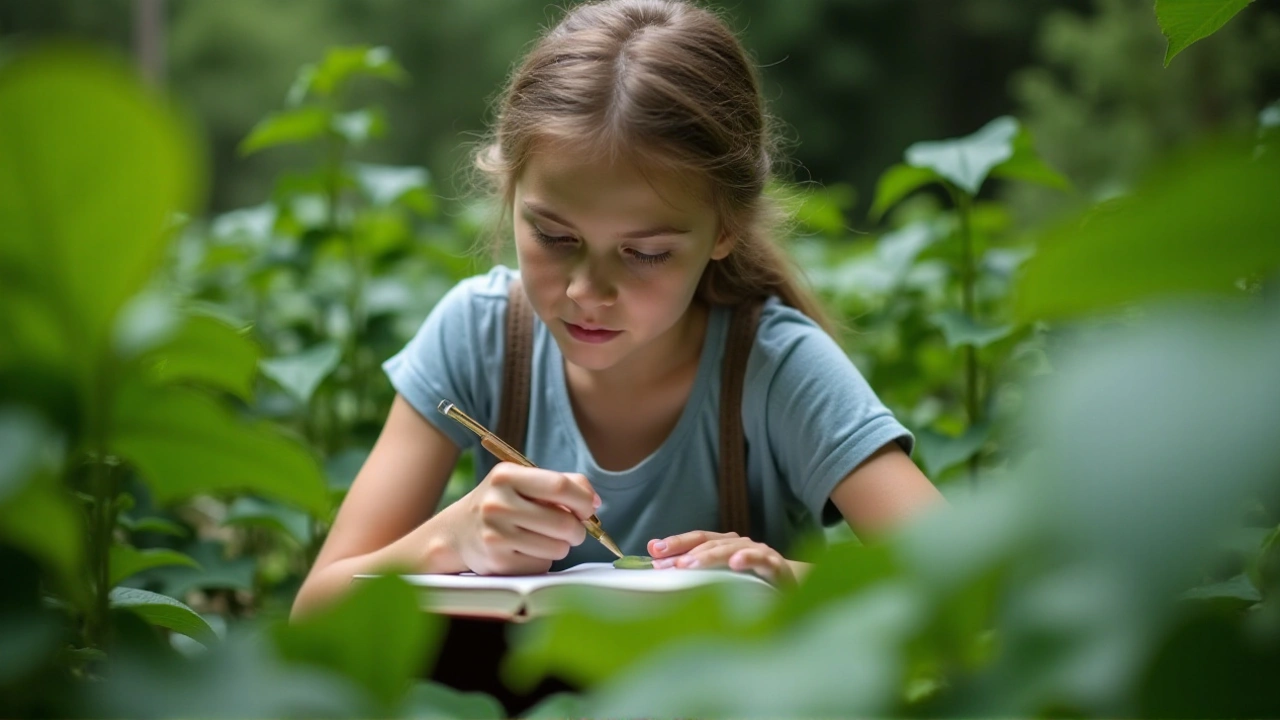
[
  {"x": 102, "y": 521},
  {"x": 964, "y": 206}
]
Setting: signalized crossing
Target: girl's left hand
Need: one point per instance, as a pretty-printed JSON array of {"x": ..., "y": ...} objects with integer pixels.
[{"x": 702, "y": 549}]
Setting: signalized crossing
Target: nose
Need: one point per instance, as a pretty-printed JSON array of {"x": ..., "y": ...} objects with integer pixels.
[{"x": 590, "y": 286}]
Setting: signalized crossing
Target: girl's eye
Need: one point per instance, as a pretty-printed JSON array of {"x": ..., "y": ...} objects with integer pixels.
[
  {"x": 648, "y": 259},
  {"x": 550, "y": 240}
]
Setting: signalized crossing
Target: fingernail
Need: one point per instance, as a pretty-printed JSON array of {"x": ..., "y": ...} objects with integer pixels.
[
  {"x": 596, "y": 501},
  {"x": 660, "y": 546}
]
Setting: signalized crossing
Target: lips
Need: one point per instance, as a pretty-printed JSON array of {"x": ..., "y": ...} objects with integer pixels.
[{"x": 590, "y": 334}]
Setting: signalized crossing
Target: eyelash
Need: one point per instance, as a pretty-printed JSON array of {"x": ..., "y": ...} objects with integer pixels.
[{"x": 554, "y": 241}]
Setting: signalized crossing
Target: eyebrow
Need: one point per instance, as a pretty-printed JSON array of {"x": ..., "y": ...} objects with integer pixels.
[{"x": 656, "y": 231}]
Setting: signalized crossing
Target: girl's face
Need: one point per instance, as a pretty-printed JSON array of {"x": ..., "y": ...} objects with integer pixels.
[{"x": 610, "y": 257}]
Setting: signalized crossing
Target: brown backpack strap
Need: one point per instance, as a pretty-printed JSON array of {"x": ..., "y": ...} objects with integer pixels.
[
  {"x": 517, "y": 368},
  {"x": 735, "y": 509}
]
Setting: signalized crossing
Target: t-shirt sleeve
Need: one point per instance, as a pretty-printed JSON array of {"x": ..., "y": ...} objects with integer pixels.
[
  {"x": 455, "y": 356},
  {"x": 822, "y": 417}
]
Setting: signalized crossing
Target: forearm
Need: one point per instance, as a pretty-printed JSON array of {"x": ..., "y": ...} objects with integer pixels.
[{"x": 424, "y": 550}]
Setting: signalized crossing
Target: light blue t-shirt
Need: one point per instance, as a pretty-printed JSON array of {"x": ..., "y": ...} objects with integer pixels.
[{"x": 810, "y": 418}]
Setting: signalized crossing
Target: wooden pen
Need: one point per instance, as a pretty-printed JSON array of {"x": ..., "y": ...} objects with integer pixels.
[{"x": 503, "y": 451}]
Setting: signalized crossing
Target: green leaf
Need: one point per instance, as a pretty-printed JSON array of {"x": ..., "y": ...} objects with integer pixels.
[
  {"x": 553, "y": 646},
  {"x": 300, "y": 374},
  {"x": 1238, "y": 592},
  {"x": 25, "y": 441},
  {"x": 266, "y": 514},
  {"x": 360, "y": 126},
  {"x": 216, "y": 571},
  {"x": 898, "y": 182},
  {"x": 376, "y": 636},
  {"x": 844, "y": 662},
  {"x": 42, "y": 519},
  {"x": 1199, "y": 224},
  {"x": 166, "y": 612},
  {"x": 385, "y": 185},
  {"x": 92, "y": 169},
  {"x": 126, "y": 560},
  {"x": 556, "y": 705},
  {"x": 341, "y": 65},
  {"x": 185, "y": 443},
  {"x": 210, "y": 352},
  {"x": 1183, "y": 22},
  {"x": 967, "y": 161},
  {"x": 287, "y": 127},
  {"x": 1027, "y": 165},
  {"x": 433, "y": 700},
  {"x": 153, "y": 525},
  {"x": 961, "y": 330},
  {"x": 939, "y": 453}
]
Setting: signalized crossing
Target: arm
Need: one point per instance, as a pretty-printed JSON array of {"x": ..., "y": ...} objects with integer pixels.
[{"x": 385, "y": 520}]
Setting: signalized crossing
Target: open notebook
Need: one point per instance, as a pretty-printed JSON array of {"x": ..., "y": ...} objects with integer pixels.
[{"x": 521, "y": 597}]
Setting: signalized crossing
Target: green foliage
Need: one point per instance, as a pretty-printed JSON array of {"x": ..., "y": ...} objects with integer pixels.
[{"x": 1185, "y": 21}]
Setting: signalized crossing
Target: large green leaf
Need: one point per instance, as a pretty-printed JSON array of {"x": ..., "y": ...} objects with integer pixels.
[
  {"x": 185, "y": 443},
  {"x": 126, "y": 560},
  {"x": 1200, "y": 224},
  {"x": 844, "y": 662},
  {"x": 967, "y": 161},
  {"x": 939, "y": 453},
  {"x": 211, "y": 352},
  {"x": 618, "y": 637},
  {"x": 1185, "y": 21},
  {"x": 164, "y": 611},
  {"x": 301, "y": 373},
  {"x": 377, "y": 636},
  {"x": 1027, "y": 165},
  {"x": 92, "y": 168}
]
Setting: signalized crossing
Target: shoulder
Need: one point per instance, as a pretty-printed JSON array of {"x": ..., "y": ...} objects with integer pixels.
[
  {"x": 783, "y": 330},
  {"x": 792, "y": 352}
]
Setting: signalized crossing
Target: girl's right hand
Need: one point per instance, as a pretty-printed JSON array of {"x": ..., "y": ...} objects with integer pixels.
[{"x": 519, "y": 519}]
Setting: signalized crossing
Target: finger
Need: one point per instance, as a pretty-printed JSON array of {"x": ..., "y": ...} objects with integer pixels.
[
  {"x": 571, "y": 491},
  {"x": 712, "y": 554},
  {"x": 765, "y": 562},
  {"x": 683, "y": 543},
  {"x": 551, "y": 521},
  {"x": 536, "y": 545}
]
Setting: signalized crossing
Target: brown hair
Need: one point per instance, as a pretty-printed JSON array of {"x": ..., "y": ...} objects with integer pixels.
[{"x": 667, "y": 83}]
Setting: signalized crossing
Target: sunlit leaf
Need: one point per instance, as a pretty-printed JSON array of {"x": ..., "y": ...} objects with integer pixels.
[
  {"x": 92, "y": 168},
  {"x": 1198, "y": 225},
  {"x": 341, "y": 65},
  {"x": 360, "y": 126},
  {"x": 960, "y": 330},
  {"x": 184, "y": 443},
  {"x": 287, "y": 127},
  {"x": 385, "y": 185},
  {"x": 1185, "y": 21},
  {"x": 898, "y": 182},
  {"x": 164, "y": 611},
  {"x": 377, "y": 636},
  {"x": 126, "y": 560},
  {"x": 967, "y": 161},
  {"x": 300, "y": 374}
]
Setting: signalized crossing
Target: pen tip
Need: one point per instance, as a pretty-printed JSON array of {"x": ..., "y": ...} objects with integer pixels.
[{"x": 445, "y": 406}]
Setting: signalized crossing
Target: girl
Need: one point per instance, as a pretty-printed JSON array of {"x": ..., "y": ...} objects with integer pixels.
[{"x": 632, "y": 152}]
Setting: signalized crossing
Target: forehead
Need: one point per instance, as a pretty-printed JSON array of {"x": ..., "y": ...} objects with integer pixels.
[{"x": 567, "y": 177}]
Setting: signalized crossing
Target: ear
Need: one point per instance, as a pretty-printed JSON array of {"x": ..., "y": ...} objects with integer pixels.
[{"x": 724, "y": 245}]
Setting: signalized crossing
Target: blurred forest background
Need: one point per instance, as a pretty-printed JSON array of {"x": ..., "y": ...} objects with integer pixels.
[
  {"x": 854, "y": 81},
  {"x": 1052, "y": 243}
]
